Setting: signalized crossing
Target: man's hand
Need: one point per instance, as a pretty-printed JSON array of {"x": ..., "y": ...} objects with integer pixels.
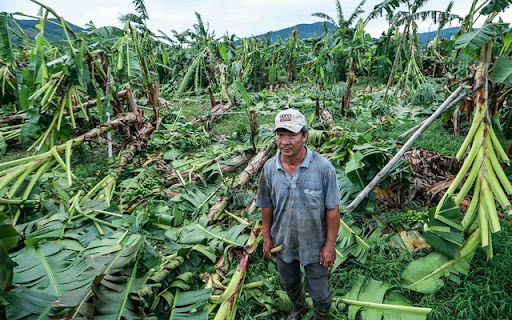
[
  {"x": 268, "y": 244},
  {"x": 328, "y": 256}
]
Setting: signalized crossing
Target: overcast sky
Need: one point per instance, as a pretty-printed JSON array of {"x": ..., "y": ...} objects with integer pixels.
[{"x": 241, "y": 17}]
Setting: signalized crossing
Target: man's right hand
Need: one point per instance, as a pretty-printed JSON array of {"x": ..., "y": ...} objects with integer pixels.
[{"x": 268, "y": 245}]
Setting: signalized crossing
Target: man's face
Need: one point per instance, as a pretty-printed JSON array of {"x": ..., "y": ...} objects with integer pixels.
[{"x": 290, "y": 144}]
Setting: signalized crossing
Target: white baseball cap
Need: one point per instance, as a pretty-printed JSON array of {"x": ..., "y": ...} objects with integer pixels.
[{"x": 291, "y": 120}]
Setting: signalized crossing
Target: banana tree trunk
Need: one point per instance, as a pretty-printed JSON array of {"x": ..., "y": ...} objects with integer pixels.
[
  {"x": 228, "y": 306},
  {"x": 20, "y": 117},
  {"x": 217, "y": 111},
  {"x": 396, "y": 60},
  {"x": 346, "y": 98},
  {"x": 17, "y": 171},
  {"x": 235, "y": 163},
  {"x": 252, "y": 168}
]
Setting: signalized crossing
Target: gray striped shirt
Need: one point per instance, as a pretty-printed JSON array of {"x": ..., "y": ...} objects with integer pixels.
[{"x": 299, "y": 205}]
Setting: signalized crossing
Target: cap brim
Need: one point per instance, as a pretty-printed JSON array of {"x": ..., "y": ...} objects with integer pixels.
[{"x": 295, "y": 128}]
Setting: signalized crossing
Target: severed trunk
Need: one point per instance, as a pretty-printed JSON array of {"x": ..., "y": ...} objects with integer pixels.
[
  {"x": 252, "y": 168},
  {"x": 236, "y": 162},
  {"x": 227, "y": 309},
  {"x": 346, "y": 98},
  {"x": 215, "y": 112}
]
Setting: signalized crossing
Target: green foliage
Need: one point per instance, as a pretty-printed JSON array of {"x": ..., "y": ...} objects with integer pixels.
[
  {"x": 502, "y": 71},
  {"x": 191, "y": 305},
  {"x": 495, "y": 6},
  {"x": 474, "y": 40},
  {"x": 131, "y": 242}
]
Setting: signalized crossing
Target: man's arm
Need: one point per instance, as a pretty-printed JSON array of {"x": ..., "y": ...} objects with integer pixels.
[
  {"x": 328, "y": 253},
  {"x": 267, "y": 215}
]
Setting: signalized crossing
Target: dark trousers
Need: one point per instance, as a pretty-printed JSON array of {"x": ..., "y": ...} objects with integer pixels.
[{"x": 317, "y": 277}]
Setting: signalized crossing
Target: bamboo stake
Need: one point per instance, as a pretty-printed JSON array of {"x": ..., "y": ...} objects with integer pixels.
[
  {"x": 416, "y": 127},
  {"x": 363, "y": 194}
]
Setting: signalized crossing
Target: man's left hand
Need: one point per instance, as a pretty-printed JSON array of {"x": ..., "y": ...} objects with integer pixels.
[{"x": 328, "y": 256}]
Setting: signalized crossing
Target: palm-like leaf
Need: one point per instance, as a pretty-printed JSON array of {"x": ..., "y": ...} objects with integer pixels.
[
  {"x": 61, "y": 274},
  {"x": 357, "y": 12},
  {"x": 192, "y": 73},
  {"x": 191, "y": 305},
  {"x": 45, "y": 272},
  {"x": 325, "y": 17},
  {"x": 502, "y": 71},
  {"x": 140, "y": 8},
  {"x": 496, "y": 6},
  {"x": 386, "y": 5},
  {"x": 6, "y": 54},
  {"x": 476, "y": 39}
]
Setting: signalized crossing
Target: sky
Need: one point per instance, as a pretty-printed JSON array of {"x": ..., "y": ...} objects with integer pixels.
[{"x": 243, "y": 18}]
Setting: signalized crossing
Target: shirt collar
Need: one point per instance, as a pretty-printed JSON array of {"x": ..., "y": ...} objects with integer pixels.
[{"x": 305, "y": 163}]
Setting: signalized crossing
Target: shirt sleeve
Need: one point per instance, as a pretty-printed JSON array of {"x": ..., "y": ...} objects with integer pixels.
[
  {"x": 264, "y": 199},
  {"x": 331, "y": 190}
]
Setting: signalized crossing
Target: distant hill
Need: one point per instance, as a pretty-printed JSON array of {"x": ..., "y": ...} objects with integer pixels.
[
  {"x": 425, "y": 37},
  {"x": 310, "y": 30},
  {"x": 51, "y": 31},
  {"x": 55, "y": 33},
  {"x": 305, "y": 31}
]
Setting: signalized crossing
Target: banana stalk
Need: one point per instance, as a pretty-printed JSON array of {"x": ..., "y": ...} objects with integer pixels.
[
  {"x": 227, "y": 309},
  {"x": 20, "y": 169},
  {"x": 483, "y": 164}
]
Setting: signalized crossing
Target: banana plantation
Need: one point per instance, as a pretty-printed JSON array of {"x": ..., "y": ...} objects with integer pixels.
[{"x": 129, "y": 165}]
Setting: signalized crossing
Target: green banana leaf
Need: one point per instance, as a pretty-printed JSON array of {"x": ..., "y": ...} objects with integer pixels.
[
  {"x": 496, "y": 6},
  {"x": 502, "y": 71},
  {"x": 426, "y": 274},
  {"x": 474, "y": 40},
  {"x": 6, "y": 54},
  {"x": 62, "y": 274},
  {"x": 191, "y": 305},
  {"x": 367, "y": 301}
]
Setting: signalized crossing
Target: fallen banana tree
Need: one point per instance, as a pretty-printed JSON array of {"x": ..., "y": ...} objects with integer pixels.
[
  {"x": 18, "y": 170},
  {"x": 379, "y": 176},
  {"x": 252, "y": 168},
  {"x": 482, "y": 170},
  {"x": 217, "y": 111},
  {"x": 190, "y": 175},
  {"x": 227, "y": 300}
]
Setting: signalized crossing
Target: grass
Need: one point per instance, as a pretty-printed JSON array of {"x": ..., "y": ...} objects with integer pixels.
[
  {"x": 485, "y": 293},
  {"x": 435, "y": 138}
]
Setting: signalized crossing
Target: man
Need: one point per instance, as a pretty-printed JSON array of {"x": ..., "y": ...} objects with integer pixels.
[{"x": 299, "y": 200}]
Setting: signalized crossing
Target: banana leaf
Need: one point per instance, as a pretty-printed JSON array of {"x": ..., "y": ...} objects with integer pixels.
[
  {"x": 191, "y": 305},
  {"x": 367, "y": 299},
  {"x": 502, "y": 71},
  {"x": 474, "y": 40},
  {"x": 62, "y": 274}
]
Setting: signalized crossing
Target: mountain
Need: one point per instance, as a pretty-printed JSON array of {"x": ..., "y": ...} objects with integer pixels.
[
  {"x": 55, "y": 33},
  {"x": 310, "y": 30},
  {"x": 51, "y": 31},
  {"x": 305, "y": 31},
  {"x": 425, "y": 37}
]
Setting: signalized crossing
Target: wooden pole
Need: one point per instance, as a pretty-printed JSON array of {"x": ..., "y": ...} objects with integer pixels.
[
  {"x": 361, "y": 196},
  {"x": 413, "y": 129}
]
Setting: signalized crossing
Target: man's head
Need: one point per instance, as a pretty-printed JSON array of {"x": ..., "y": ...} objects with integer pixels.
[
  {"x": 291, "y": 132},
  {"x": 291, "y": 120}
]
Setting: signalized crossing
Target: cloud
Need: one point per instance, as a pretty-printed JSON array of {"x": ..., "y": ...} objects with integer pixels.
[{"x": 241, "y": 17}]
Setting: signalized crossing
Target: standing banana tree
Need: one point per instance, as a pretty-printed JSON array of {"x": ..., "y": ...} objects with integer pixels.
[{"x": 482, "y": 171}]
